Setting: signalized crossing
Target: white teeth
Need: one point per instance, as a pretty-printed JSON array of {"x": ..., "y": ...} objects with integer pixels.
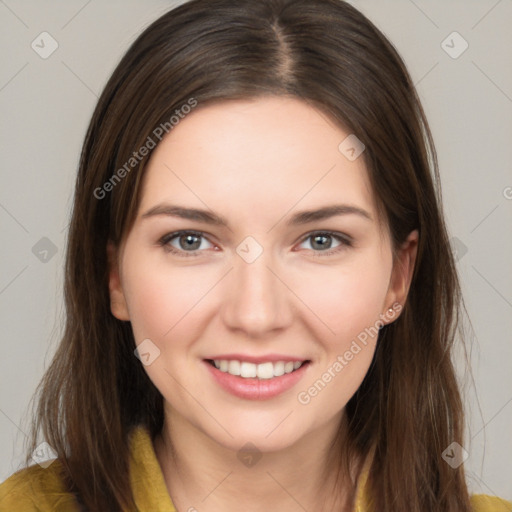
[
  {"x": 265, "y": 371},
  {"x": 250, "y": 370},
  {"x": 278, "y": 369},
  {"x": 247, "y": 370},
  {"x": 234, "y": 367}
]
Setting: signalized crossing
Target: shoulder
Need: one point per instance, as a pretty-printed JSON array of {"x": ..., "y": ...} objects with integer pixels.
[
  {"x": 37, "y": 489},
  {"x": 485, "y": 503}
]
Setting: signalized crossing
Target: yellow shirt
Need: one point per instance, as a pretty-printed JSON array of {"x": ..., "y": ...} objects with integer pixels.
[{"x": 37, "y": 489}]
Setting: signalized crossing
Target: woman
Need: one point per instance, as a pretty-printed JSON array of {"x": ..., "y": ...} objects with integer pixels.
[{"x": 261, "y": 297}]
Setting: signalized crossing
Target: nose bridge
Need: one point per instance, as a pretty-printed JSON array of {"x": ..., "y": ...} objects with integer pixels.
[{"x": 256, "y": 301}]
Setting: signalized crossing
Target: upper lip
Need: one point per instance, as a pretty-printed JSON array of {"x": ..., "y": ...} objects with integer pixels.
[{"x": 256, "y": 359}]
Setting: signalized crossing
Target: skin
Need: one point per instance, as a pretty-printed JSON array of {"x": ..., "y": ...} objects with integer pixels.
[{"x": 256, "y": 163}]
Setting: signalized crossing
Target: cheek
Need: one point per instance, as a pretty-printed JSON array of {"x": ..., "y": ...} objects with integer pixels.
[
  {"x": 347, "y": 299},
  {"x": 350, "y": 304},
  {"x": 164, "y": 304},
  {"x": 161, "y": 298}
]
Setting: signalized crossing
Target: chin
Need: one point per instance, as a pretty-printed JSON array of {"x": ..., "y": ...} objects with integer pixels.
[{"x": 268, "y": 434}]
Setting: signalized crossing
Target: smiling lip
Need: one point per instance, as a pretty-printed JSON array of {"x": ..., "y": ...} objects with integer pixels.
[{"x": 255, "y": 388}]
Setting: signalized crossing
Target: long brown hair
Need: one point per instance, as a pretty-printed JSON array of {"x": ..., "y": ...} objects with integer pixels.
[{"x": 324, "y": 52}]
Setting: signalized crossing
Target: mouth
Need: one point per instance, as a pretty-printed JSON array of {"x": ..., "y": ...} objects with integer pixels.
[
  {"x": 260, "y": 378},
  {"x": 262, "y": 371}
]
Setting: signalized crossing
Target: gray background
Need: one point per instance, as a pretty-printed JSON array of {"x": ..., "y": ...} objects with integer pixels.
[{"x": 46, "y": 105}]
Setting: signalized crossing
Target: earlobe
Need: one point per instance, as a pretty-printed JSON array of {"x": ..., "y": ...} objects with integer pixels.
[
  {"x": 403, "y": 270},
  {"x": 118, "y": 305}
]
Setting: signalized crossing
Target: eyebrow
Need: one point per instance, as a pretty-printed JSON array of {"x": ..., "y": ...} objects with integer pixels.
[{"x": 299, "y": 218}]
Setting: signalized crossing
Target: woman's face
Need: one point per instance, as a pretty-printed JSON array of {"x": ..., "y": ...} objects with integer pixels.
[{"x": 254, "y": 284}]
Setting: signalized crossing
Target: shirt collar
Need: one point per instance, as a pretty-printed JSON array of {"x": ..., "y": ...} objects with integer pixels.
[
  {"x": 363, "y": 502},
  {"x": 146, "y": 477}
]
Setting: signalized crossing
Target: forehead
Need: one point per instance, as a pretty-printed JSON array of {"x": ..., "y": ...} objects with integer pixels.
[{"x": 255, "y": 156}]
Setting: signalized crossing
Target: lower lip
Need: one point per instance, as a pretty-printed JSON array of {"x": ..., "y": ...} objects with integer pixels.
[{"x": 256, "y": 389}]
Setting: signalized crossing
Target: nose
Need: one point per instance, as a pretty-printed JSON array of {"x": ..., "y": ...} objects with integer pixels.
[{"x": 256, "y": 298}]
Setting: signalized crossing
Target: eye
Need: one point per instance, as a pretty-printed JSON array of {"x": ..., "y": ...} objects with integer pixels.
[
  {"x": 188, "y": 243},
  {"x": 322, "y": 242}
]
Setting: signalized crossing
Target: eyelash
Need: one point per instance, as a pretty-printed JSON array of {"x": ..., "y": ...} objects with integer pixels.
[{"x": 344, "y": 240}]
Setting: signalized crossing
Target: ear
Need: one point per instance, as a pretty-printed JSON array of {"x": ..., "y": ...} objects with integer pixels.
[
  {"x": 118, "y": 305},
  {"x": 401, "y": 276}
]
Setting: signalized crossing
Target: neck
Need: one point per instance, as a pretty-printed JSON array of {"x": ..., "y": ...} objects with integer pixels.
[{"x": 201, "y": 474}]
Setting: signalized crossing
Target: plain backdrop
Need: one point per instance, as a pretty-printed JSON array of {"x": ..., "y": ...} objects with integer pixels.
[{"x": 47, "y": 101}]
